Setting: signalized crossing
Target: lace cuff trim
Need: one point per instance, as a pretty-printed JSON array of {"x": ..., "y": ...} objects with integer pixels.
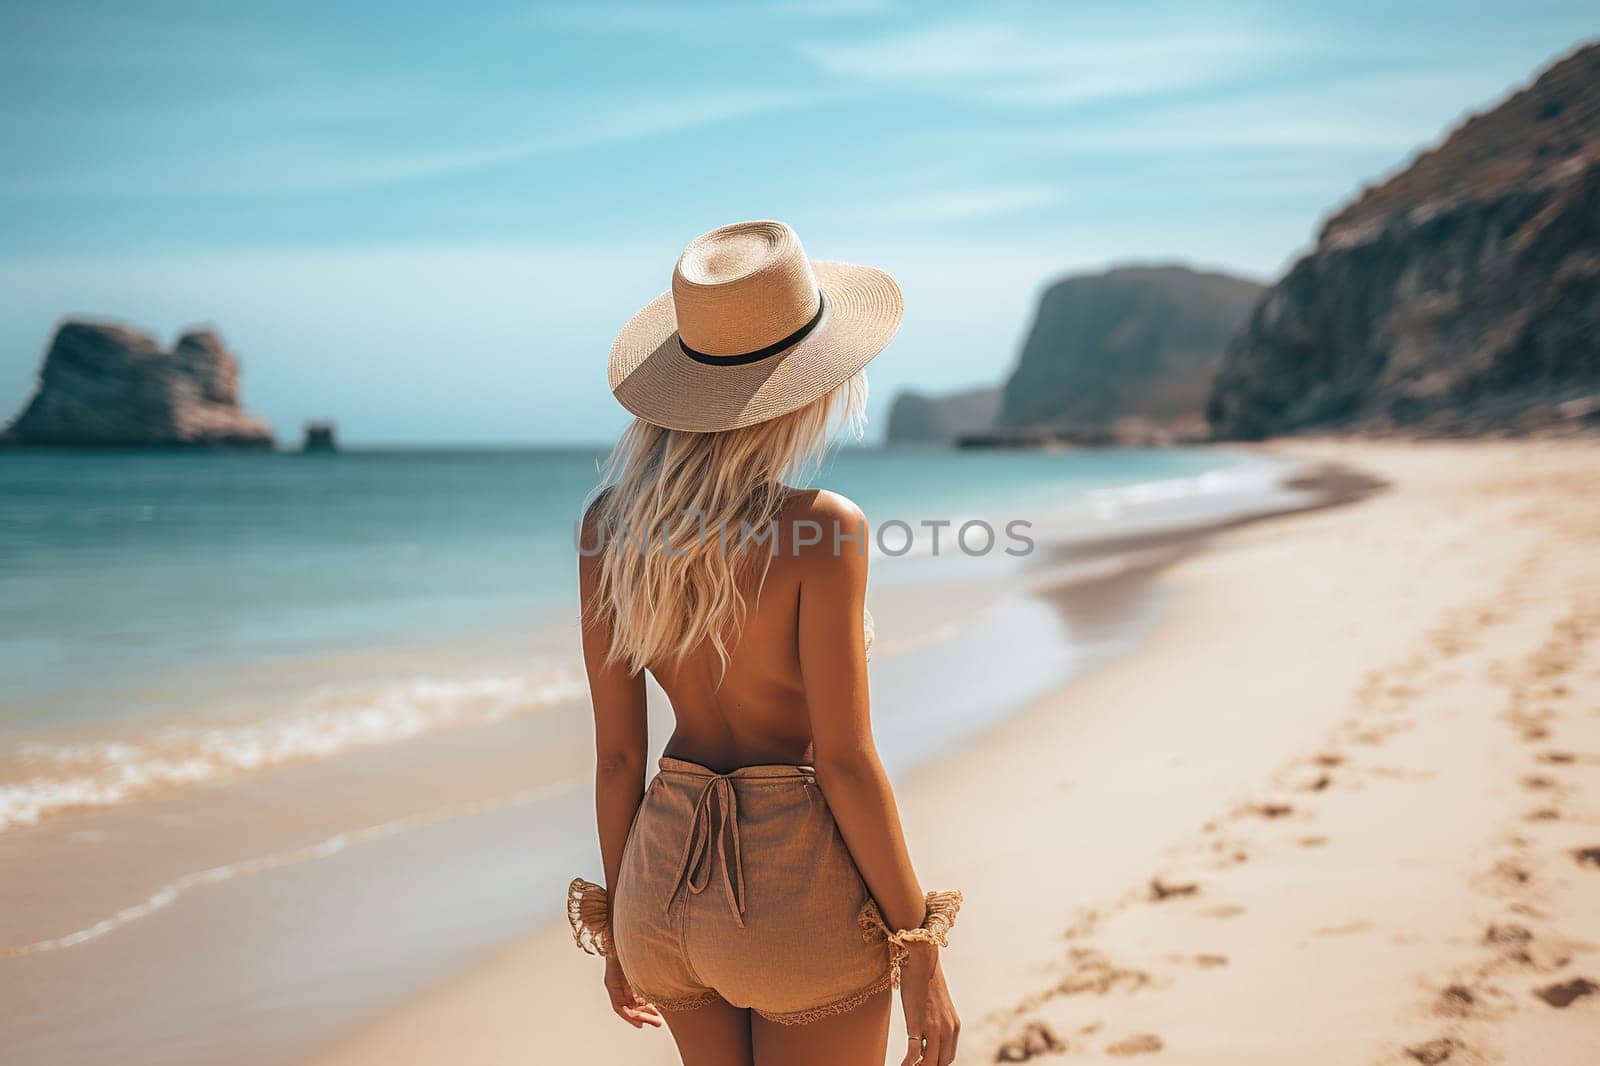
[
  {"x": 589, "y": 914},
  {"x": 940, "y": 918}
]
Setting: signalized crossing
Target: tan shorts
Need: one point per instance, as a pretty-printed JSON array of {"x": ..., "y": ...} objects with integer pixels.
[{"x": 739, "y": 887}]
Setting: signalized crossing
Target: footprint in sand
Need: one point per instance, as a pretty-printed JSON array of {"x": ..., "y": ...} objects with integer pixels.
[
  {"x": 1143, "y": 1044},
  {"x": 1206, "y": 961},
  {"x": 1516, "y": 945},
  {"x": 1094, "y": 973},
  {"x": 1036, "y": 1039},
  {"x": 1587, "y": 856},
  {"x": 1434, "y": 1051},
  {"x": 1456, "y": 1001},
  {"x": 1161, "y": 890},
  {"x": 1566, "y": 993},
  {"x": 1512, "y": 872},
  {"x": 1558, "y": 758},
  {"x": 1501, "y": 936}
]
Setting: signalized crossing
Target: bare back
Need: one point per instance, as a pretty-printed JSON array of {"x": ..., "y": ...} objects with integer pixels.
[{"x": 759, "y": 712}]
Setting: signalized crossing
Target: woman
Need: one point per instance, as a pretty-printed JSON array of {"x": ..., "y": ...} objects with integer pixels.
[{"x": 762, "y": 902}]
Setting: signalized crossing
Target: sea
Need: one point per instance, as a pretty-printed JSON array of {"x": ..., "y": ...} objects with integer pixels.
[{"x": 285, "y": 738}]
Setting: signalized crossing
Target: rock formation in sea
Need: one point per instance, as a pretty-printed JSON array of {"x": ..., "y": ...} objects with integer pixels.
[
  {"x": 919, "y": 418},
  {"x": 1460, "y": 296},
  {"x": 108, "y": 385},
  {"x": 1127, "y": 355},
  {"x": 321, "y": 435}
]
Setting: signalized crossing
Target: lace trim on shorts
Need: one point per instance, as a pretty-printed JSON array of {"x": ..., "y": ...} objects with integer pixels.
[
  {"x": 827, "y": 1010},
  {"x": 682, "y": 1003}
]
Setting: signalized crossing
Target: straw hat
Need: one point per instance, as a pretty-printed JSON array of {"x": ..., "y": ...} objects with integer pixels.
[{"x": 751, "y": 330}]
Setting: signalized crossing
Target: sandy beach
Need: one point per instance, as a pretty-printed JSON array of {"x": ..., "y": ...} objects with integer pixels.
[
  {"x": 1342, "y": 807},
  {"x": 1231, "y": 455}
]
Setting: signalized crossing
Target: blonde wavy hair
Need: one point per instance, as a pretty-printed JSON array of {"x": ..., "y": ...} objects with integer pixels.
[{"x": 676, "y": 514}]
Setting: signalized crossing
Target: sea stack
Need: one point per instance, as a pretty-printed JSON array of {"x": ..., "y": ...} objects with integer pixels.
[
  {"x": 105, "y": 385},
  {"x": 321, "y": 436}
]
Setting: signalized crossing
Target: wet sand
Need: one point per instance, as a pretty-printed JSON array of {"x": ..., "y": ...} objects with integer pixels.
[{"x": 1340, "y": 807}]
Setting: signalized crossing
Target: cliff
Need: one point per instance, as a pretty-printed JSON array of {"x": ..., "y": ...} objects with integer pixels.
[
  {"x": 1125, "y": 354},
  {"x": 916, "y": 418},
  {"x": 107, "y": 385},
  {"x": 1460, "y": 296}
]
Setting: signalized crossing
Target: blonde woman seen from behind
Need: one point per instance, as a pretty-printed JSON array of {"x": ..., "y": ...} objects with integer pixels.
[{"x": 759, "y": 898}]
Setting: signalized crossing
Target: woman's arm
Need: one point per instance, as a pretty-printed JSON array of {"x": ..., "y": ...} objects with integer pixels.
[
  {"x": 620, "y": 730},
  {"x": 621, "y": 736},
  {"x": 833, "y": 665}
]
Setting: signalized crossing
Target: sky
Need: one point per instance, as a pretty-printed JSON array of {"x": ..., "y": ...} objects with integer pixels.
[{"x": 428, "y": 221}]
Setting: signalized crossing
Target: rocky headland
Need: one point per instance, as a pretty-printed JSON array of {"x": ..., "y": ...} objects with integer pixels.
[
  {"x": 1121, "y": 357},
  {"x": 1459, "y": 297},
  {"x": 105, "y": 385},
  {"x": 1136, "y": 343},
  {"x": 920, "y": 418}
]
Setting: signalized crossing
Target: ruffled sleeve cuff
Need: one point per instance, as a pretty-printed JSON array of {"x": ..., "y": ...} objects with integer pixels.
[
  {"x": 589, "y": 914},
  {"x": 938, "y": 919}
]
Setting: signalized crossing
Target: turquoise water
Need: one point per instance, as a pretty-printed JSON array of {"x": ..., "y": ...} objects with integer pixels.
[{"x": 117, "y": 568}]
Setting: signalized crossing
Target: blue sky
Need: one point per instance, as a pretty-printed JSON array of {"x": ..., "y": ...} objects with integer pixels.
[{"x": 429, "y": 220}]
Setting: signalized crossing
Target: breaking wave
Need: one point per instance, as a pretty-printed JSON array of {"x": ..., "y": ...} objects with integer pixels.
[{"x": 41, "y": 779}]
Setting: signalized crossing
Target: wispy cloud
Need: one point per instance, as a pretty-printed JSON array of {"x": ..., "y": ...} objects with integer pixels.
[
  {"x": 303, "y": 165},
  {"x": 1037, "y": 66},
  {"x": 1380, "y": 112}
]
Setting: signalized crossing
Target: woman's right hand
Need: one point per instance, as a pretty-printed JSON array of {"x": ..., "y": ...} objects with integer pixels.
[
  {"x": 629, "y": 1005},
  {"x": 931, "y": 1023}
]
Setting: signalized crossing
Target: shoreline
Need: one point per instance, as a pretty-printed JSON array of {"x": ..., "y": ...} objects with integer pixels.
[
  {"x": 309, "y": 869},
  {"x": 1186, "y": 740}
]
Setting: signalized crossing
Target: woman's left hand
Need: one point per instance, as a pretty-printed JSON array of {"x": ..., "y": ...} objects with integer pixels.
[
  {"x": 932, "y": 1027},
  {"x": 629, "y": 1005}
]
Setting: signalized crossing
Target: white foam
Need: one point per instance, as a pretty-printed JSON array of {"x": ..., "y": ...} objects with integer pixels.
[
  {"x": 56, "y": 777},
  {"x": 1097, "y": 512}
]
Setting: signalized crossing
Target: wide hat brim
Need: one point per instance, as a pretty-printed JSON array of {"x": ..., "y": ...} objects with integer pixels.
[{"x": 656, "y": 380}]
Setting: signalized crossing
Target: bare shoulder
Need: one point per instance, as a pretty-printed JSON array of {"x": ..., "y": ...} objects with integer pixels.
[
  {"x": 591, "y": 538},
  {"x": 824, "y": 531},
  {"x": 823, "y": 505},
  {"x": 591, "y": 513}
]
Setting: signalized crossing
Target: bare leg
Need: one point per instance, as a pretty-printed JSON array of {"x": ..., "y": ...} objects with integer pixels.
[
  {"x": 717, "y": 1034},
  {"x": 855, "y": 1038}
]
